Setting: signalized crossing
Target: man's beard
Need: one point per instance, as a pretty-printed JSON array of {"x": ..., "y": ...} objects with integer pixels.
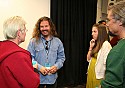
[
  {"x": 111, "y": 34},
  {"x": 45, "y": 34}
]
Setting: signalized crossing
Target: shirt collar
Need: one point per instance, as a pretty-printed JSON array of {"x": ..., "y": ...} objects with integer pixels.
[{"x": 42, "y": 37}]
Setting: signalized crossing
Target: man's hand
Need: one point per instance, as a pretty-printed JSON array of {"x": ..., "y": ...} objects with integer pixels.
[
  {"x": 44, "y": 70},
  {"x": 53, "y": 69}
]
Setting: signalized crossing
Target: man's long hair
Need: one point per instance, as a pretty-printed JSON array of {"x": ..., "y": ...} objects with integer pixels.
[{"x": 37, "y": 32}]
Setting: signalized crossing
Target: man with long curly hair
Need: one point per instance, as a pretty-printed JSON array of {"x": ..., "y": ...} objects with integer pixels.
[{"x": 47, "y": 51}]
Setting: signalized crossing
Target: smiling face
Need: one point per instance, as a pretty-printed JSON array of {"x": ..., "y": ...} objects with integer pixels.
[
  {"x": 45, "y": 28},
  {"x": 95, "y": 33}
]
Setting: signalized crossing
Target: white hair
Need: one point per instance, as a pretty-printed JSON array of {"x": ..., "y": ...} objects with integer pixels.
[{"x": 12, "y": 25}]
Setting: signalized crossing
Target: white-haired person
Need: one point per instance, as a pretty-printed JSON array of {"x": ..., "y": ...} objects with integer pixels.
[{"x": 16, "y": 70}]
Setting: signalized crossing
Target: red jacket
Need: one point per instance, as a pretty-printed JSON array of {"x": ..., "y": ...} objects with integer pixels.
[{"x": 16, "y": 69}]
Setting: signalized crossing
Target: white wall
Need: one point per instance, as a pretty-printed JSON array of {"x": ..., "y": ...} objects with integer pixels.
[{"x": 30, "y": 10}]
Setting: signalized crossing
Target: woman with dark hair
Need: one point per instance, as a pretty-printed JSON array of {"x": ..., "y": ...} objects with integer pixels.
[{"x": 97, "y": 54}]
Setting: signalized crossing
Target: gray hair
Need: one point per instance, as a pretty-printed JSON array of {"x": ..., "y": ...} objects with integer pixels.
[
  {"x": 12, "y": 25},
  {"x": 118, "y": 11}
]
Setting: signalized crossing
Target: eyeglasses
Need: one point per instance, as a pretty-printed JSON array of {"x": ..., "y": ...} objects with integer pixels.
[
  {"x": 23, "y": 30},
  {"x": 107, "y": 20},
  {"x": 46, "y": 43}
]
